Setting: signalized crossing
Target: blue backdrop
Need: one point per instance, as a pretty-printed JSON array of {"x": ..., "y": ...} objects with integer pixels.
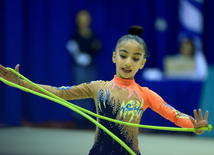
[{"x": 33, "y": 33}]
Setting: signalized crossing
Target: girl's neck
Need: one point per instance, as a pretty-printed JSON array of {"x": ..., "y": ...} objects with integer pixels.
[{"x": 123, "y": 81}]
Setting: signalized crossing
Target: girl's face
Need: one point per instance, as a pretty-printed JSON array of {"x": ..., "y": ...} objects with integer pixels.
[{"x": 129, "y": 58}]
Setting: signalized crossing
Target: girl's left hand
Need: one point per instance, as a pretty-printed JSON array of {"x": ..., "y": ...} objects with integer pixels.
[{"x": 199, "y": 121}]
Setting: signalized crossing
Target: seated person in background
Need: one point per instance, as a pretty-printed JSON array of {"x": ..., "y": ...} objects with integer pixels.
[{"x": 189, "y": 63}]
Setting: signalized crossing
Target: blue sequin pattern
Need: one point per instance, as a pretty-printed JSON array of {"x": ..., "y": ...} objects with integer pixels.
[
  {"x": 64, "y": 87},
  {"x": 105, "y": 144}
]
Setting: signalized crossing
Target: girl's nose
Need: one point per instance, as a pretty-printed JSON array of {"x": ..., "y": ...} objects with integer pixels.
[{"x": 128, "y": 63}]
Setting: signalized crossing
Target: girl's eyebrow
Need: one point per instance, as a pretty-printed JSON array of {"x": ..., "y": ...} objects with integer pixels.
[{"x": 122, "y": 50}]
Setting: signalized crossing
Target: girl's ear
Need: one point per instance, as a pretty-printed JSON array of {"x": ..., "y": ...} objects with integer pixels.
[
  {"x": 143, "y": 63},
  {"x": 113, "y": 57}
]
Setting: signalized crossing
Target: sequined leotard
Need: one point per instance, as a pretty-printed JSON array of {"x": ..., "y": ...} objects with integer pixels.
[{"x": 120, "y": 99}]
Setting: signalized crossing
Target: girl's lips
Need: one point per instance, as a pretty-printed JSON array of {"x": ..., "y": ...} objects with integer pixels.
[{"x": 126, "y": 70}]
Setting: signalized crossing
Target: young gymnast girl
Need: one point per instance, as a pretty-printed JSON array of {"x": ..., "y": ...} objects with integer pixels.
[{"x": 121, "y": 98}]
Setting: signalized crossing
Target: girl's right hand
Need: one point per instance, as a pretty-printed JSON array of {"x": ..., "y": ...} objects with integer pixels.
[{"x": 8, "y": 75}]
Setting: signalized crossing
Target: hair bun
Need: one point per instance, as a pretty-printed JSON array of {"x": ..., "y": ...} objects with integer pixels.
[{"x": 136, "y": 30}]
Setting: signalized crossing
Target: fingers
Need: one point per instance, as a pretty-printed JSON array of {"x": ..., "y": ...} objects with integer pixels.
[
  {"x": 196, "y": 115},
  {"x": 200, "y": 114},
  {"x": 206, "y": 116},
  {"x": 3, "y": 70},
  {"x": 17, "y": 68},
  {"x": 198, "y": 132},
  {"x": 193, "y": 121}
]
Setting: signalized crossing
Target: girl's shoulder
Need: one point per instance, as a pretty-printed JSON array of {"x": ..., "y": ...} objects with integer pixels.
[
  {"x": 143, "y": 88},
  {"x": 99, "y": 82}
]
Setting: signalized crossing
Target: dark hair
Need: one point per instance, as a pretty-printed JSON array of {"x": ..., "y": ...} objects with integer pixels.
[{"x": 135, "y": 33}]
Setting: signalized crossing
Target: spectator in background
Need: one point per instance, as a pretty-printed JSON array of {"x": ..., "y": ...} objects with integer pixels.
[
  {"x": 83, "y": 46},
  {"x": 190, "y": 63}
]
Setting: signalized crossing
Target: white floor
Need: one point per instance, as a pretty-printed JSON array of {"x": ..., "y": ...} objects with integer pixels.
[{"x": 44, "y": 141}]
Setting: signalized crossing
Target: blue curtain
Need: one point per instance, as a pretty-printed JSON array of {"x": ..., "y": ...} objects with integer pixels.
[{"x": 33, "y": 33}]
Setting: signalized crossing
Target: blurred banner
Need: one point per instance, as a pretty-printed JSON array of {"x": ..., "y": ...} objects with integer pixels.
[{"x": 191, "y": 19}]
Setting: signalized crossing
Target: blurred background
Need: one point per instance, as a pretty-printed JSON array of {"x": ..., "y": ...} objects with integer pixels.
[{"x": 35, "y": 33}]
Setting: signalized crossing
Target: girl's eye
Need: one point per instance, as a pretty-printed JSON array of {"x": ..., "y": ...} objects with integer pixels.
[
  {"x": 122, "y": 56},
  {"x": 135, "y": 59}
]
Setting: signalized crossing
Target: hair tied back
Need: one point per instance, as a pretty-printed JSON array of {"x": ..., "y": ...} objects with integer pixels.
[{"x": 136, "y": 30}]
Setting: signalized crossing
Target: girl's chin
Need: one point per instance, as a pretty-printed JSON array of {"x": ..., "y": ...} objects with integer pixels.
[{"x": 127, "y": 77}]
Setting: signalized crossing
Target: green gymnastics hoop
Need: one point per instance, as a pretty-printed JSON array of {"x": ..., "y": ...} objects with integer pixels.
[
  {"x": 81, "y": 110},
  {"x": 209, "y": 127}
]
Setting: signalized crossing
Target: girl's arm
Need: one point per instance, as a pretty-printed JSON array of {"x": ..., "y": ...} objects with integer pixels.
[
  {"x": 81, "y": 91},
  {"x": 8, "y": 75},
  {"x": 157, "y": 104}
]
